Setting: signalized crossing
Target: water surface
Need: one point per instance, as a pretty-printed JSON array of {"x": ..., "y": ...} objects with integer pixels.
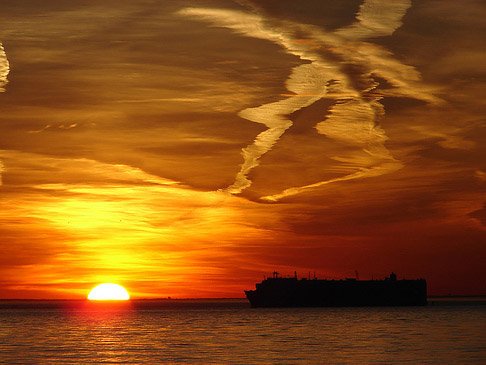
[{"x": 222, "y": 331}]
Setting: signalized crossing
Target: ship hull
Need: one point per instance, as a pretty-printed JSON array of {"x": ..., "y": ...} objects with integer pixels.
[{"x": 290, "y": 292}]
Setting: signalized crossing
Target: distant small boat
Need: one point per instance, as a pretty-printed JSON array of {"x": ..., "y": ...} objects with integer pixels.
[{"x": 293, "y": 292}]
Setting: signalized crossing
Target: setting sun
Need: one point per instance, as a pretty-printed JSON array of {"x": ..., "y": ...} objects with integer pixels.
[{"x": 108, "y": 291}]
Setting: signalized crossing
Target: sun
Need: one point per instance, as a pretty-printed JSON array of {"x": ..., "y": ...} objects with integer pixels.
[{"x": 108, "y": 291}]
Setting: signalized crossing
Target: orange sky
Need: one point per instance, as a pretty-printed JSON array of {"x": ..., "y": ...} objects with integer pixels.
[{"x": 186, "y": 149}]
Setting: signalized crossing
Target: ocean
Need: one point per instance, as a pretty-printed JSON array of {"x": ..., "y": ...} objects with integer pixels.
[{"x": 230, "y": 332}]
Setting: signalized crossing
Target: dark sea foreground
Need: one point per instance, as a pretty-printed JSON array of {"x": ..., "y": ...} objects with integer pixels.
[{"x": 448, "y": 330}]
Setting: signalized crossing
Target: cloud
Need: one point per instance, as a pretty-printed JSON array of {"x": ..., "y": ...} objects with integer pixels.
[
  {"x": 130, "y": 193},
  {"x": 4, "y": 71},
  {"x": 303, "y": 80},
  {"x": 380, "y": 169},
  {"x": 96, "y": 221},
  {"x": 354, "y": 117},
  {"x": 51, "y": 126},
  {"x": 376, "y": 18},
  {"x": 449, "y": 138},
  {"x": 4, "y": 68},
  {"x": 479, "y": 215},
  {"x": 182, "y": 100},
  {"x": 480, "y": 175}
]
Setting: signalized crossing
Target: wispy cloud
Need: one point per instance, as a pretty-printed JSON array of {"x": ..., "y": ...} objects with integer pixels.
[
  {"x": 304, "y": 80},
  {"x": 376, "y": 18},
  {"x": 479, "y": 215},
  {"x": 480, "y": 175},
  {"x": 273, "y": 116},
  {"x": 379, "y": 169},
  {"x": 354, "y": 117},
  {"x": 4, "y": 71},
  {"x": 181, "y": 100},
  {"x": 4, "y": 68},
  {"x": 101, "y": 222},
  {"x": 50, "y": 126},
  {"x": 448, "y": 137}
]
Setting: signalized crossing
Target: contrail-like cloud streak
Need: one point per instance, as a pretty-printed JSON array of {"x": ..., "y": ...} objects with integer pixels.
[
  {"x": 354, "y": 117},
  {"x": 306, "y": 81},
  {"x": 273, "y": 116},
  {"x": 376, "y": 18}
]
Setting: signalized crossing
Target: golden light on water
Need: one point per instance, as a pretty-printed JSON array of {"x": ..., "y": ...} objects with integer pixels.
[{"x": 108, "y": 291}]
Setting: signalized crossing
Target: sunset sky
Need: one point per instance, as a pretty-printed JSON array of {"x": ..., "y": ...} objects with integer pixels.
[{"x": 188, "y": 148}]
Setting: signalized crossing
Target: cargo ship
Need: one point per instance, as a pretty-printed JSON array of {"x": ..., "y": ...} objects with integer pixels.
[{"x": 278, "y": 291}]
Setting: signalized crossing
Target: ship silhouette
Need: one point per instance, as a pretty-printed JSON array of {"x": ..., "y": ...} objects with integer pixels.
[{"x": 293, "y": 292}]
